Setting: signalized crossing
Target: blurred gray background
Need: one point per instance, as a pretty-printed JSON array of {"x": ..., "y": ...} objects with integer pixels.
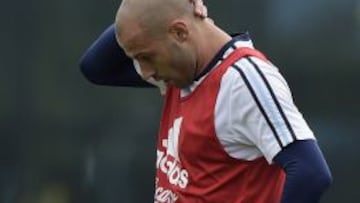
[{"x": 64, "y": 140}]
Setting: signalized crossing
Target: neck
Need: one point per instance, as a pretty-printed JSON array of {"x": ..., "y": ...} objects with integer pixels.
[{"x": 211, "y": 40}]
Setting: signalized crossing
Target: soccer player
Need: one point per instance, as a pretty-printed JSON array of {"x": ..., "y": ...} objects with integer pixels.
[{"x": 230, "y": 131}]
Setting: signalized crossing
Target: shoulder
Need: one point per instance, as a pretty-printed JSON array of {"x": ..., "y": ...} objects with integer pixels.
[
  {"x": 256, "y": 104},
  {"x": 251, "y": 64}
]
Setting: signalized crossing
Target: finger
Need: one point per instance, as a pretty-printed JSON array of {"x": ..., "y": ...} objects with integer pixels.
[
  {"x": 204, "y": 12},
  {"x": 200, "y": 8}
]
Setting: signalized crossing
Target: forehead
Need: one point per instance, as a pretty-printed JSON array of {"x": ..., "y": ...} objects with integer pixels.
[{"x": 133, "y": 38}]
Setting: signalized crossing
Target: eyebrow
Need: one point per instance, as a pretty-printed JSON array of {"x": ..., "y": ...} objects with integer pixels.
[{"x": 132, "y": 44}]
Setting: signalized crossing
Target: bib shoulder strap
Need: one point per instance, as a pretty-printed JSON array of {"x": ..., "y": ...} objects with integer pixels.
[{"x": 240, "y": 53}]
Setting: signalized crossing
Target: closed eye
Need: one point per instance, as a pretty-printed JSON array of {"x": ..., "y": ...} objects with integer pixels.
[{"x": 144, "y": 57}]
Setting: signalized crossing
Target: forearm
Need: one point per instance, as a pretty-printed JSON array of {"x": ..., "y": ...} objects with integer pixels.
[
  {"x": 307, "y": 174},
  {"x": 105, "y": 63}
]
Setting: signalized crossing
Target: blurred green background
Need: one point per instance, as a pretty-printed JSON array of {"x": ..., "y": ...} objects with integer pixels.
[{"x": 64, "y": 140}]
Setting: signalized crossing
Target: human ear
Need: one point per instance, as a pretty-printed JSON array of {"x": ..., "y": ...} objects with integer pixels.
[{"x": 179, "y": 31}]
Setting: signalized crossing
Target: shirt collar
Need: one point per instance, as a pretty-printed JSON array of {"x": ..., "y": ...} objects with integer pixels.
[{"x": 238, "y": 40}]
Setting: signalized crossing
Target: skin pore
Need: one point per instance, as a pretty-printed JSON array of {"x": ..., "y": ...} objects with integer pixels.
[{"x": 167, "y": 39}]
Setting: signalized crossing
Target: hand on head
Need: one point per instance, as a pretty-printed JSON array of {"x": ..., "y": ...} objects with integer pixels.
[{"x": 199, "y": 8}]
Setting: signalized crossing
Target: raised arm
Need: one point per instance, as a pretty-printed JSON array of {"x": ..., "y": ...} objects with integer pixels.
[{"x": 105, "y": 63}]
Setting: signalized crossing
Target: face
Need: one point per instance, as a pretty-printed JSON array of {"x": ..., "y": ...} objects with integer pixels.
[{"x": 162, "y": 57}]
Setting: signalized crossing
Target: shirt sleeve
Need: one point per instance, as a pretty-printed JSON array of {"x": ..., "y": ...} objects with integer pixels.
[
  {"x": 255, "y": 114},
  {"x": 105, "y": 63},
  {"x": 303, "y": 162}
]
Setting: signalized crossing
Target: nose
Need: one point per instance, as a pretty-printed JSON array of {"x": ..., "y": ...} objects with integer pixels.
[{"x": 147, "y": 72}]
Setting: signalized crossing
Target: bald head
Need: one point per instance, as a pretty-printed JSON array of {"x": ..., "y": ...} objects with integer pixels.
[
  {"x": 165, "y": 37},
  {"x": 152, "y": 16}
]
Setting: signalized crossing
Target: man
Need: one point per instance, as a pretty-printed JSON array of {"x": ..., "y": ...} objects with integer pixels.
[{"x": 230, "y": 132}]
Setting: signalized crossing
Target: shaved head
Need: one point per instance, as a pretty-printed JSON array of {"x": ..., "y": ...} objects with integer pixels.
[
  {"x": 167, "y": 40},
  {"x": 151, "y": 16}
]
